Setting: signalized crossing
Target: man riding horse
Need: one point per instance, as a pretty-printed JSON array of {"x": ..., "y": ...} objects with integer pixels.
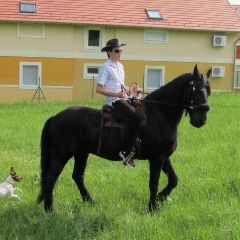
[{"x": 111, "y": 84}]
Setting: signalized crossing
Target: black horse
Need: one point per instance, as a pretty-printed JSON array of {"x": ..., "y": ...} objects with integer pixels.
[{"x": 72, "y": 133}]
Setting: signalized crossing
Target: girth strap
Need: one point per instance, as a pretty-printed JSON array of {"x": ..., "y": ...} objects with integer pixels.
[{"x": 100, "y": 135}]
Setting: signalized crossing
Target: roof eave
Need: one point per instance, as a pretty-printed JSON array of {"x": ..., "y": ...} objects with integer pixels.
[{"x": 213, "y": 29}]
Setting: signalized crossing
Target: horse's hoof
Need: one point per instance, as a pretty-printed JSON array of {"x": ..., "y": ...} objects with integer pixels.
[
  {"x": 161, "y": 197},
  {"x": 88, "y": 199},
  {"x": 92, "y": 203},
  {"x": 152, "y": 207},
  {"x": 49, "y": 209}
]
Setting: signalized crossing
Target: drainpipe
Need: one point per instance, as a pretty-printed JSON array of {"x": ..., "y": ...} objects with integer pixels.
[{"x": 234, "y": 63}]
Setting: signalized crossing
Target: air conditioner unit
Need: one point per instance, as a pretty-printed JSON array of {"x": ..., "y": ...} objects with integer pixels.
[
  {"x": 219, "y": 41},
  {"x": 218, "y": 71}
]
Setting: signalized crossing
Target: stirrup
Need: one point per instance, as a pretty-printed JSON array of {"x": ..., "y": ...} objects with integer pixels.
[{"x": 129, "y": 157}]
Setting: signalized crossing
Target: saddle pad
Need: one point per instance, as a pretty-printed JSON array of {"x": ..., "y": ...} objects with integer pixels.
[{"x": 106, "y": 123}]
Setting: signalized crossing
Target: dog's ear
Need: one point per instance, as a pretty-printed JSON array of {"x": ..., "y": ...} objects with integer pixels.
[{"x": 12, "y": 171}]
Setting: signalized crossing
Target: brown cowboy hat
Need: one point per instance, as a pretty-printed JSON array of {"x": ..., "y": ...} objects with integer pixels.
[{"x": 111, "y": 44}]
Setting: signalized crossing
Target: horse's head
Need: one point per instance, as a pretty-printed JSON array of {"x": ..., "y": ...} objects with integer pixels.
[{"x": 198, "y": 92}]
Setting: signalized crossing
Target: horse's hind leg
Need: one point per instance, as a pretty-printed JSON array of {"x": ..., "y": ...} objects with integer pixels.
[
  {"x": 172, "y": 180},
  {"x": 78, "y": 175},
  {"x": 48, "y": 182}
]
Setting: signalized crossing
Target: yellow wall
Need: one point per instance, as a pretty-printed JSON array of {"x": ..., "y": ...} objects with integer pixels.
[
  {"x": 60, "y": 49},
  {"x": 181, "y": 46},
  {"x": 67, "y": 41},
  {"x": 57, "y": 39}
]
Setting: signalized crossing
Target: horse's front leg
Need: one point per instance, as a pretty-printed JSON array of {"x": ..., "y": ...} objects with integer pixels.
[
  {"x": 172, "y": 180},
  {"x": 78, "y": 175},
  {"x": 155, "y": 169}
]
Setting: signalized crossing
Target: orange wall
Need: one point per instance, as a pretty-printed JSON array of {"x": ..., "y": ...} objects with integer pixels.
[
  {"x": 55, "y": 71},
  {"x": 63, "y": 78},
  {"x": 134, "y": 71}
]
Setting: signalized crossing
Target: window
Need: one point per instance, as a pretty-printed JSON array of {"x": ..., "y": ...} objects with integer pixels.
[
  {"x": 237, "y": 68},
  {"x": 30, "y": 30},
  {"x": 93, "y": 38},
  {"x": 154, "y": 77},
  {"x": 237, "y": 78},
  {"x": 30, "y": 74},
  {"x": 157, "y": 36},
  {"x": 27, "y": 7},
  {"x": 91, "y": 70},
  {"x": 154, "y": 14}
]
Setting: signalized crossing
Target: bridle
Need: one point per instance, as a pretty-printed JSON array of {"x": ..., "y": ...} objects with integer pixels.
[{"x": 190, "y": 95}]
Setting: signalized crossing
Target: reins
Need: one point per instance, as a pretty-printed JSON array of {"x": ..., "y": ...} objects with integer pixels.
[
  {"x": 204, "y": 105},
  {"x": 192, "y": 88}
]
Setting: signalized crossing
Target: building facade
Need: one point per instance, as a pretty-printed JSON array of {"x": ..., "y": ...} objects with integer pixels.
[{"x": 62, "y": 57}]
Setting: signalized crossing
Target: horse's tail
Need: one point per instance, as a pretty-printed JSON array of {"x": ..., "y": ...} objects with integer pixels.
[{"x": 45, "y": 158}]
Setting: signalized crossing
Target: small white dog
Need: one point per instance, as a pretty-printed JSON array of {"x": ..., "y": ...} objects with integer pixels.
[{"x": 6, "y": 188}]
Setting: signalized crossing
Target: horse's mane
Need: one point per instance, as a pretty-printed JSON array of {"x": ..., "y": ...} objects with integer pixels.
[{"x": 171, "y": 91}]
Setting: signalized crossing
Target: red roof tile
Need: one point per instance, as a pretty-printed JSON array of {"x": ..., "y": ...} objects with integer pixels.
[{"x": 210, "y": 15}]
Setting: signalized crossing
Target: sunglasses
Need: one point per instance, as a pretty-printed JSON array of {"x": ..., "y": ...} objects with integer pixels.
[{"x": 118, "y": 50}]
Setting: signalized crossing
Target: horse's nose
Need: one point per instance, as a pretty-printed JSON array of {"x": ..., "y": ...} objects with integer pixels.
[{"x": 199, "y": 123}]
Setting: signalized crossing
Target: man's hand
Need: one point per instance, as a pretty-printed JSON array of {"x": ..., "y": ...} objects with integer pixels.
[
  {"x": 134, "y": 89},
  {"x": 121, "y": 94}
]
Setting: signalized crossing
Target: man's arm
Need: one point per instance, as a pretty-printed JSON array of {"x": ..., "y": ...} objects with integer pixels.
[{"x": 106, "y": 92}]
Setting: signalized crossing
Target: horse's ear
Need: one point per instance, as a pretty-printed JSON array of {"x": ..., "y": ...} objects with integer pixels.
[
  {"x": 209, "y": 73},
  {"x": 196, "y": 73}
]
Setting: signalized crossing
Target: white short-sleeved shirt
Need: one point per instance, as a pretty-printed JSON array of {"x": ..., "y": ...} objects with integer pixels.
[{"x": 111, "y": 77}]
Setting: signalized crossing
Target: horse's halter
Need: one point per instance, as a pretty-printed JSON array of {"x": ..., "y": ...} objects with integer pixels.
[{"x": 191, "y": 98}]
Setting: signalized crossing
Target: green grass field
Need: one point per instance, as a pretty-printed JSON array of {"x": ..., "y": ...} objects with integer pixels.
[{"x": 205, "y": 204}]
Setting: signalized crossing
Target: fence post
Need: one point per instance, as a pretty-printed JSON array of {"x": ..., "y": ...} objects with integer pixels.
[
  {"x": 93, "y": 87},
  {"x": 143, "y": 86}
]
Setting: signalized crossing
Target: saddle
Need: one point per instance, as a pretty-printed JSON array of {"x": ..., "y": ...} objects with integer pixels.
[
  {"x": 107, "y": 113},
  {"x": 105, "y": 118}
]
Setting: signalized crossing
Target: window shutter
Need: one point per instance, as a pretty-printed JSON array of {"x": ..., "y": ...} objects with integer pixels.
[
  {"x": 30, "y": 75},
  {"x": 155, "y": 36},
  {"x": 154, "y": 80}
]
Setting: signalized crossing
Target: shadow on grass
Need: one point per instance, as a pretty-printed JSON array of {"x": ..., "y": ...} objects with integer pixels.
[{"x": 20, "y": 220}]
